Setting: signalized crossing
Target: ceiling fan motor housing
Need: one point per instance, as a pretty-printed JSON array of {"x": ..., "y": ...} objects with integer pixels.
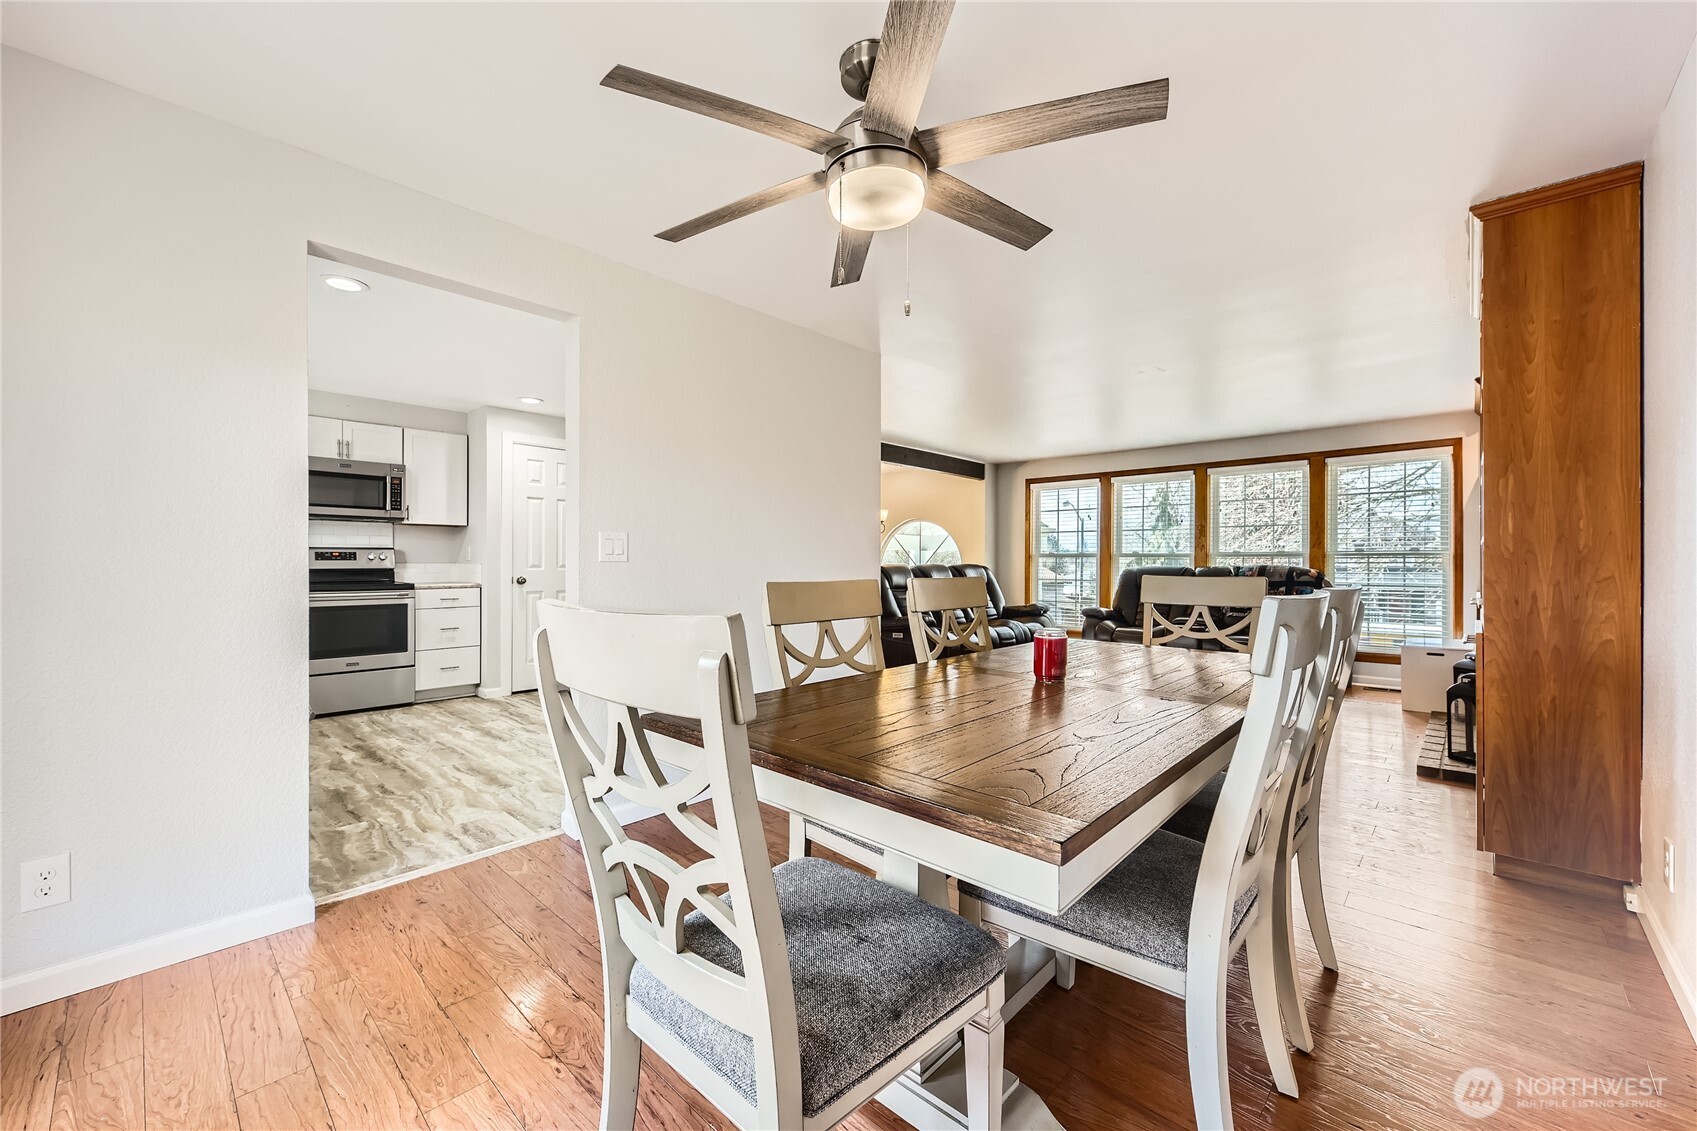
[{"x": 855, "y": 67}]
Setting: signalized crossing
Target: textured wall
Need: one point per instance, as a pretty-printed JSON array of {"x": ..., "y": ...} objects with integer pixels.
[
  {"x": 155, "y": 716},
  {"x": 1670, "y": 524}
]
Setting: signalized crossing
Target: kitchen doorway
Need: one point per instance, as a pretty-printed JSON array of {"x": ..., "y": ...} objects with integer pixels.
[{"x": 465, "y": 397}]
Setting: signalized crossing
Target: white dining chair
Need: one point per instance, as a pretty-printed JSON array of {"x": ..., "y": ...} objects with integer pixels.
[
  {"x": 1346, "y": 612},
  {"x": 1202, "y": 597},
  {"x": 1174, "y": 912},
  {"x": 803, "y": 617},
  {"x": 793, "y": 997},
  {"x": 959, "y": 609}
]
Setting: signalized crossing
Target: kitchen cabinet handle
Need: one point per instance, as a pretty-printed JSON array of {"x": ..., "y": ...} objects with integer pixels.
[
  {"x": 449, "y": 628},
  {"x": 446, "y": 599},
  {"x": 451, "y": 667}
]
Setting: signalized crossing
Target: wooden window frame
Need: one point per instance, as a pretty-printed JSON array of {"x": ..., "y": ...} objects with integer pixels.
[{"x": 1317, "y": 556}]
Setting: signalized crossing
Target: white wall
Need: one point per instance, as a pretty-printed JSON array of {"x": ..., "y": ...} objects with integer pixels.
[
  {"x": 1670, "y": 534},
  {"x": 1011, "y": 477},
  {"x": 155, "y": 716},
  {"x": 955, "y": 503}
]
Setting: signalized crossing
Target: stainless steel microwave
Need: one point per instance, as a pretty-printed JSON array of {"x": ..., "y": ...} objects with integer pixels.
[{"x": 345, "y": 488}]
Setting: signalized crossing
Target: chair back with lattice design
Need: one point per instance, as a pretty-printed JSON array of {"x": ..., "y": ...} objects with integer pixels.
[
  {"x": 960, "y": 615},
  {"x": 696, "y": 667},
  {"x": 1202, "y": 599},
  {"x": 1349, "y": 612},
  {"x": 1287, "y": 686},
  {"x": 814, "y": 608}
]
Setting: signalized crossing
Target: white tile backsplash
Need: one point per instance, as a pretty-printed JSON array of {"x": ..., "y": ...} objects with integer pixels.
[
  {"x": 434, "y": 573},
  {"x": 334, "y": 532}
]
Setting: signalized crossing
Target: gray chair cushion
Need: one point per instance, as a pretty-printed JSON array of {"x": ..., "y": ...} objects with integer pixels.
[
  {"x": 1142, "y": 907},
  {"x": 873, "y": 967},
  {"x": 1193, "y": 820}
]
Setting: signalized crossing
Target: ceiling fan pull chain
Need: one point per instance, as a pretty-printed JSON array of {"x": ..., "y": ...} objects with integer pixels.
[{"x": 907, "y": 270}]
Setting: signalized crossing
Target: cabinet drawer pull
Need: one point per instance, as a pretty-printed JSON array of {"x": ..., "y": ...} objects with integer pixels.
[
  {"x": 449, "y": 628},
  {"x": 447, "y": 598},
  {"x": 450, "y": 667}
]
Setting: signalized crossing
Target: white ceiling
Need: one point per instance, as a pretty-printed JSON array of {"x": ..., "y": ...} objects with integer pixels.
[
  {"x": 1287, "y": 250},
  {"x": 406, "y": 342}
]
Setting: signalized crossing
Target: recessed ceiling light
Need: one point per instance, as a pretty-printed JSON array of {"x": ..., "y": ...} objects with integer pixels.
[
  {"x": 343, "y": 283},
  {"x": 530, "y": 400}
]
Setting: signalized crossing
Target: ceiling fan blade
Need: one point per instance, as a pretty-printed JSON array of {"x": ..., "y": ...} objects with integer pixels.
[
  {"x": 698, "y": 101},
  {"x": 913, "y": 34},
  {"x": 850, "y": 260},
  {"x": 1044, "y": 122},
  {"x": 748, "y": 205},
  {"x": 959, "y": 201}
]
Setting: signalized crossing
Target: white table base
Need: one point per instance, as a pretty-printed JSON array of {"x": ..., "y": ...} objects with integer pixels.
[{"x": 932, "y": 1095}]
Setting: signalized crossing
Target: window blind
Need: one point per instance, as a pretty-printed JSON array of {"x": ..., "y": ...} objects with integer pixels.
[
  {"x": 1066, "y": 522},
  {"x": 1390, "y": 530},
  {"x": 1258, "y": 514},
  {"x": 1154, "y": 520}
]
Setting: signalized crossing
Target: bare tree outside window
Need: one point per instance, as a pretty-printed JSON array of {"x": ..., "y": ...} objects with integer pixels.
[
  {"x": 1389, "y": 531},
  {"x": 1259, "y": 515}
]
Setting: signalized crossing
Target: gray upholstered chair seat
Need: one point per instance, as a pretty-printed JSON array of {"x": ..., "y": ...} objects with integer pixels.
[
  {"x": 1193, "y": 820},
  {"x": 873, "y": 967},
  {"x": 1142, "y": 907}
]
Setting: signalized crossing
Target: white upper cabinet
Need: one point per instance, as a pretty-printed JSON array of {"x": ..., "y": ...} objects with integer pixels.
[
  {"x": 324, "y": 437},
  {"x": 436, "y": 478},
  {"x": 373, "y": 443},
  {"x": 352, "y": 439}
]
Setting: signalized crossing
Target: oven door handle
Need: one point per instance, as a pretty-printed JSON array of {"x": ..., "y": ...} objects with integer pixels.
[{"x": 356, "y": 599}]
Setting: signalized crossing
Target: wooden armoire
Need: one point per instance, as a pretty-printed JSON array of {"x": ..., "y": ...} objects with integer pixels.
[{"x": 1560, "y": 684}]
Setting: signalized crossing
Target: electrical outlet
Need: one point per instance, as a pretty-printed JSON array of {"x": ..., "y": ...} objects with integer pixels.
[
  {"x": 1667, "y": 862},
  {"x": 44, "y": 882}
]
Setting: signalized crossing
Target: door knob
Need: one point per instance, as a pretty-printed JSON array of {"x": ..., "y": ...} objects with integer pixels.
[{"x": 520, "y": 580}]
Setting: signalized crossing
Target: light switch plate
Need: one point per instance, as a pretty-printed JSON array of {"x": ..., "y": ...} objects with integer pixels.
[{"x": 613, "y": 547}]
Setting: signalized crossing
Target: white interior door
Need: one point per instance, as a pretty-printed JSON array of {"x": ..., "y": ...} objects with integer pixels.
[{"x": 540, "y": 498}]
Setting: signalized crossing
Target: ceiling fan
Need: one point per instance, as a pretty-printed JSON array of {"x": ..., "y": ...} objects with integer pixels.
[{"x": 880, "y": 172}]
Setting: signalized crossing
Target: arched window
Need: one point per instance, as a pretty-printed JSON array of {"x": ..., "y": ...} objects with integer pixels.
[{"x": 917, "y": 542}]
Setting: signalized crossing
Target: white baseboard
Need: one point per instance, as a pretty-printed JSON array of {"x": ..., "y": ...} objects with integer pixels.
[
  {"x": 1679, "y": 979},
  {"x": 625, "y": 811},
  {"x": 491, "y": 693},
  {"x": 54, "y": 982}
]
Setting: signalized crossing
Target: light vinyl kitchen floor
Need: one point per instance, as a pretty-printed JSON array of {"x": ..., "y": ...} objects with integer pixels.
[{"x": 407, "y": 788}]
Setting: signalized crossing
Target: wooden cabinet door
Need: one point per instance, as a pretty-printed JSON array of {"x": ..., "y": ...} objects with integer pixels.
[
  {"x": 436, "y": 478},
  {"x": 373, "y": 443},
  {"x": 324, "y": 437},
  {"x": 1560, "y": 684}
]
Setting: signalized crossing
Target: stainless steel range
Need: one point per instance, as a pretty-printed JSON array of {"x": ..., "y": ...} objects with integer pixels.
[{"x": 361, "y": 643}]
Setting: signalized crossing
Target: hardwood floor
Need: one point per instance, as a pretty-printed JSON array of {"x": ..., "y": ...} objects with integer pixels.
[{"x": 471, "y": 998}]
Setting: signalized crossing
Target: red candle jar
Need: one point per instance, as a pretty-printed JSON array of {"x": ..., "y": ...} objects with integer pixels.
[{"x": 1049, "y": 656}]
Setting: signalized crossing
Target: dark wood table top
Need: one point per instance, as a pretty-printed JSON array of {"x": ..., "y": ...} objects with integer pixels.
[{"x": 975, "y": 744}]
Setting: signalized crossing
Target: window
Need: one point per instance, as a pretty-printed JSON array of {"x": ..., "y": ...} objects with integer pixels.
[
  {"x": 1154, "y": 520},
  {"x": 917, "y": 542},
  {"x": 1258, "y": 515},
  {"x": 1388, "y": 530},
  {"x": 1066, "y": 522}
]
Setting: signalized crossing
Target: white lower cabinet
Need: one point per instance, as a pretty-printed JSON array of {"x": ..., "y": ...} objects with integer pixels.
[{"x": 447, "y": 652}]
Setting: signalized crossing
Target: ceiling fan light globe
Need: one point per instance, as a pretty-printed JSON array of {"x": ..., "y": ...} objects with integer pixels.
[{"x": 874, "y": 190}]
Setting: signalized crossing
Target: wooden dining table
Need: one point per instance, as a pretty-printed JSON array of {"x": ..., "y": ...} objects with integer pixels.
[{"x": 970, "y": 768}]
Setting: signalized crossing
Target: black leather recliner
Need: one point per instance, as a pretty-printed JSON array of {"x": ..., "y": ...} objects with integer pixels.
[
  {"x": 1009, "y": 624},
  {"x": 1124, "y": 621}
]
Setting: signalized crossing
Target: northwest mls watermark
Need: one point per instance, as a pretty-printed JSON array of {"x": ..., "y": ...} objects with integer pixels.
[{"x": 1480, "y": 1092}]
